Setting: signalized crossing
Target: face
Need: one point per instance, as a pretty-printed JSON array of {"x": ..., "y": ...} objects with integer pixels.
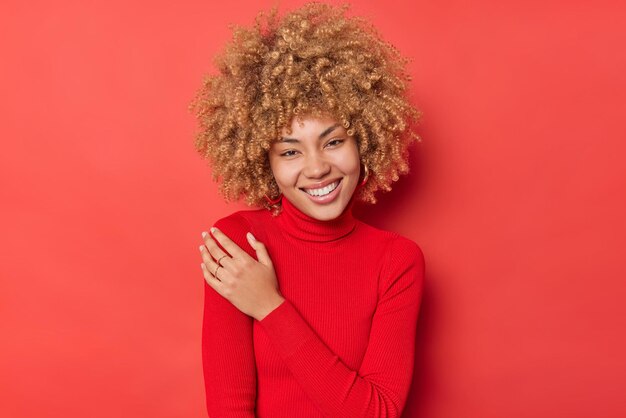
[{"x": 317, "y": 166}]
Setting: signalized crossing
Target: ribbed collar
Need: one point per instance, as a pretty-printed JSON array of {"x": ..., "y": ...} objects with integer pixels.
[{"x": 301, "y": 226}]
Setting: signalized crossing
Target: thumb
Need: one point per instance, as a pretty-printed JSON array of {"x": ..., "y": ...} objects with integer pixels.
[{"x": 259, "y": 247}]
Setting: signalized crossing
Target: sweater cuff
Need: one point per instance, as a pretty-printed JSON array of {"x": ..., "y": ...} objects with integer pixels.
[{"x": 286, "y": 328}]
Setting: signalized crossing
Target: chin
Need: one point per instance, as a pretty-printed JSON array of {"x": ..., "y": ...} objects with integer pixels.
[{"x": 326, "y": 212}]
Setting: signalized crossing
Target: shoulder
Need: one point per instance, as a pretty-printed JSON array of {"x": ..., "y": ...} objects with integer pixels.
[
  {"x": 234, "y": 222},
  {"x": 403, "y": 252},
  {"x": 391, "y": 242},
  {"x": 236, "y": 225},
  {"x": 241, "y": 219},
  {"x": 402, "y": 258}
]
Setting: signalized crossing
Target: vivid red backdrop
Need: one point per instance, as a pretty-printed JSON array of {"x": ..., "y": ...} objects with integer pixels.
[{"x": 516, "y": 198}]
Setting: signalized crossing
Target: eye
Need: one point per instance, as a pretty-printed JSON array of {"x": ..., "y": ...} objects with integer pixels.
[
  {"x": 288, "y": 153},
  {"x": 335, "y": 142}
]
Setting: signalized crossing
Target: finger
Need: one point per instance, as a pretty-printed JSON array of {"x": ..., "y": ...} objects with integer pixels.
[
  {"x": 261, "y": 252},
  {"x": 214, "y": 250},
  {"x": 229, "y": 245},
  {"x": 211, "y": 280},
  {"x": 207, "y": 259},
  {"x": 212, "y": 265}
]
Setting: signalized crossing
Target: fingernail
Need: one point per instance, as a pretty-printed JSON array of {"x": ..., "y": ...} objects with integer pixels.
[
  {"x": 201, "y": 248},
  {"x": 204, "y": 234},
  {"x": 251, "y": 237},
  {"x": 213, "y": 229}
]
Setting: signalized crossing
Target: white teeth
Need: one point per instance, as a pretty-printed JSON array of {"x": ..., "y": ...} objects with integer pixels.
[{"x": 322, "y": 191}]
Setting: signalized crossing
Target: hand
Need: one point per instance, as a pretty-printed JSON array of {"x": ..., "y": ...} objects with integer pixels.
[{"x": 248, "y": 284}]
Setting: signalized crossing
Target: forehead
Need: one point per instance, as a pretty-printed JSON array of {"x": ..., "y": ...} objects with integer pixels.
[{"x": 309, "y": 124}]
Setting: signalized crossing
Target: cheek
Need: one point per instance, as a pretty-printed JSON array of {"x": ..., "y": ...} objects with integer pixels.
[
  {"x": 284, "y": 173},
  {"x": 350, "y": 163}
]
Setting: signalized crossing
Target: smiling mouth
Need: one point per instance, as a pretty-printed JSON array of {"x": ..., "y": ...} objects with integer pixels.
[{"x": 322, "y": 191}]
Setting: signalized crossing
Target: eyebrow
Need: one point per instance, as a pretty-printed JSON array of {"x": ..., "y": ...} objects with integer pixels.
[{"x": 322, "y": 135}]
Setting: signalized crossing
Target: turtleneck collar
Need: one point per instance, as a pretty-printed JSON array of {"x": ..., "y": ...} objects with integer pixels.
[{"x": 301, "y": 226}]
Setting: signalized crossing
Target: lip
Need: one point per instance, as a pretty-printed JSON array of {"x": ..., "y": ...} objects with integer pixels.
[
  {"x": 329, "y": 197},
  {"x": 320, "y": 185}
]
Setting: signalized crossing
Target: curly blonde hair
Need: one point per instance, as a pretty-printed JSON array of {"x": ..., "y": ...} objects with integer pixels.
[{"x": 313, "y": 61}]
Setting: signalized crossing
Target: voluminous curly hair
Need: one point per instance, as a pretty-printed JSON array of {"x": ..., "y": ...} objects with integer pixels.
[{"x": 312, "y": 61}]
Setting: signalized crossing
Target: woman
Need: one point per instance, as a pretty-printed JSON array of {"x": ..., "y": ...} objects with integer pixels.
[{"x": 309, "y": 312}]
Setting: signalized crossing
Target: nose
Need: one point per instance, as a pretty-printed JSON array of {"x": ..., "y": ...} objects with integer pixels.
[{"x": 316, "y": 166}]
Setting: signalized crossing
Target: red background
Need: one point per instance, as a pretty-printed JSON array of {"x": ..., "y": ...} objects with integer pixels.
[{"x": 516, "y": 197}]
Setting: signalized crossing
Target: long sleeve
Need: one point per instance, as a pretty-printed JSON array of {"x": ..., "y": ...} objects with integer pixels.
[
  {"x": 227, "y": 345},
  {"x": 380, "y": 387}
]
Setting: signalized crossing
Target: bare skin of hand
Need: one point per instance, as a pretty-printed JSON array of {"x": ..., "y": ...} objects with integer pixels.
[{"x": 248, "y": 284}]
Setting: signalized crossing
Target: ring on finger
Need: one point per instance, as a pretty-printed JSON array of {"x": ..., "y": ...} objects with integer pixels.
[
  {"x": 218, "y": 261},
  {"x": 215, "y": 272}
]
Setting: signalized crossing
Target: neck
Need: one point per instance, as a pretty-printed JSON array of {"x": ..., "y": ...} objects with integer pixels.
[{"x": 306, "y": 228}]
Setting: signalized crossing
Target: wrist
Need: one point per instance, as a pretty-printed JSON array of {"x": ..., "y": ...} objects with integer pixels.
[{"x": 275, "y": 304}]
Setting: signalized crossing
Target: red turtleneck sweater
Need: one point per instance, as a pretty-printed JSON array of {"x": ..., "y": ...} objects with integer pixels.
[{"x": 340, "y": 345}]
